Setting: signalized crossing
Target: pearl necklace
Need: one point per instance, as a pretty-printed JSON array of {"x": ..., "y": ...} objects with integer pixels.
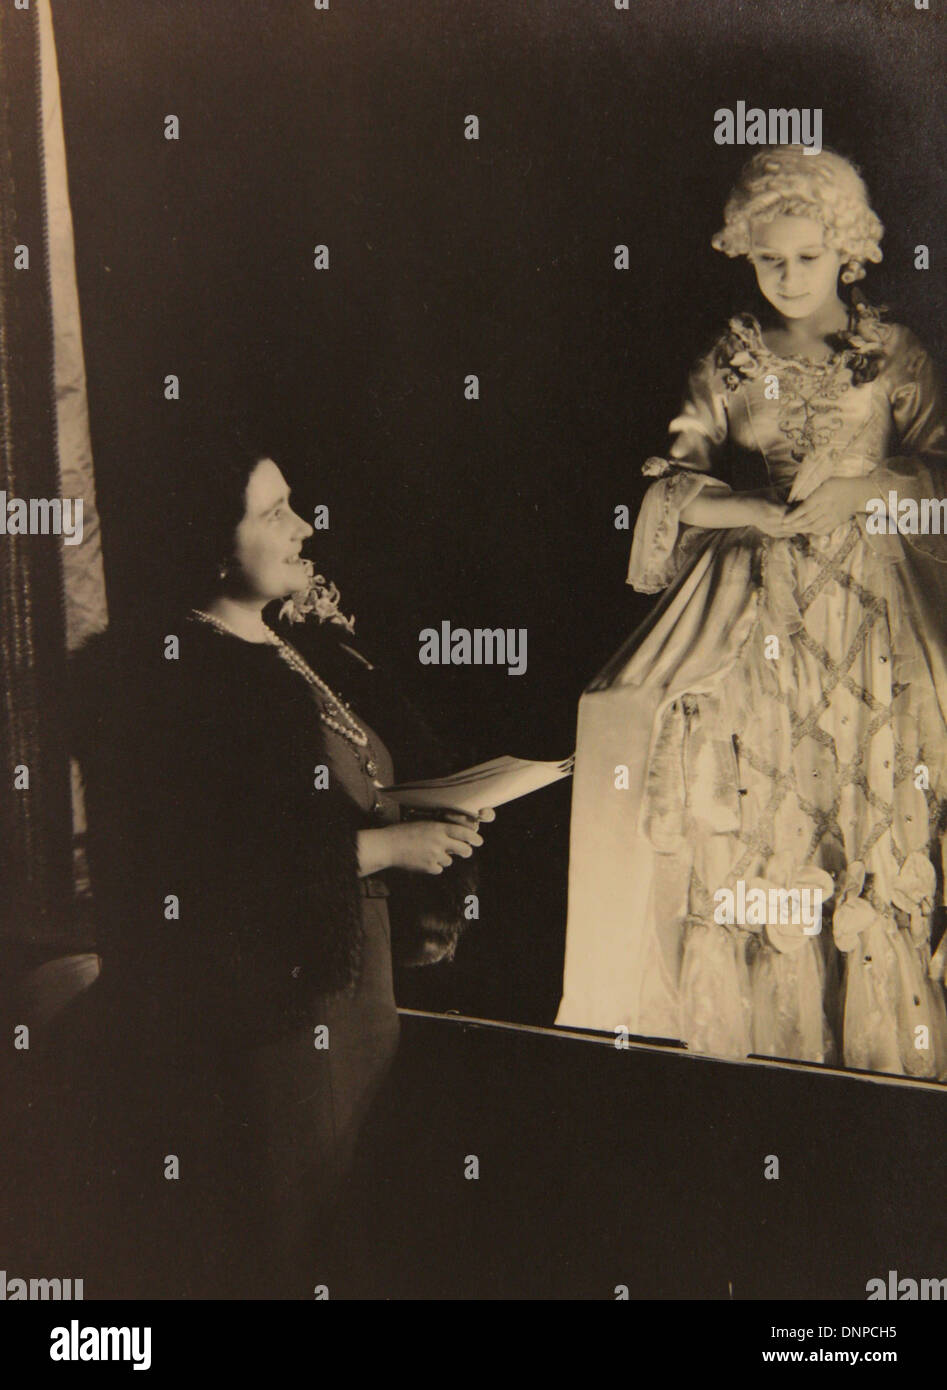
[{"x": 345, "y": 725}]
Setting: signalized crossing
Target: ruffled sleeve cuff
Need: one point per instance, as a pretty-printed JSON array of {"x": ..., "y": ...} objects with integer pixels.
[
  {"x": 661, "y": 545},
  {"x": 920, "y": 482}
]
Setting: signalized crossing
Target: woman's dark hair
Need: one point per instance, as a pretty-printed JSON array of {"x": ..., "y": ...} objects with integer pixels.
[{"x": 205, "y": 501}]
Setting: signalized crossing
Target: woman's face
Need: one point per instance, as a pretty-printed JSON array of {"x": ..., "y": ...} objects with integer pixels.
[
  {"x": 268, "y": 539},
  {"x": 795, "y": 270}
]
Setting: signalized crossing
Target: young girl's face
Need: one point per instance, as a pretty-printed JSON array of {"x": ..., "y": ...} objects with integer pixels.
[{"x": 795, "y": 270}]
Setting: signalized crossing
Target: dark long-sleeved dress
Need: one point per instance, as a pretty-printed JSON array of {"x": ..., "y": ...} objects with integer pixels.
[{"x": 245, "y": 1016}]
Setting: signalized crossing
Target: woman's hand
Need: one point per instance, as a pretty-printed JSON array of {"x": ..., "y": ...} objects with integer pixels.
[
  {"x": 832, "y": 504},
  {"x": 461, "y": 817},
  {"x": 421, "y": 846},
  {"x": 426, "y": 846}
]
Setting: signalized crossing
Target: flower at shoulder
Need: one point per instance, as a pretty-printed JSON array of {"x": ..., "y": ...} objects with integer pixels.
[
  {"x": 862, "y": 348},
  {"x": 320, "y": 597},
  {"x": 737, "y": 352}
]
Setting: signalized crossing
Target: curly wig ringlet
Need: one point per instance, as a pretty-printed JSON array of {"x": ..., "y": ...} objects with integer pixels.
[{"x": 785, "y": 180}]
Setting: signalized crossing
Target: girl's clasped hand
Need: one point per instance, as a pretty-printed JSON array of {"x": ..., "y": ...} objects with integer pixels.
[{"x": 831, "y": 504}]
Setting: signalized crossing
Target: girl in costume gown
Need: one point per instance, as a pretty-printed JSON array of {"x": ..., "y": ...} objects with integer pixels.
[{"x": 781, "y": 716}]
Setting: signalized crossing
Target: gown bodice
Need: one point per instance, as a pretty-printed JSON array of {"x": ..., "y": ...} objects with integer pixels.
[{"x": 804, "y": 420}]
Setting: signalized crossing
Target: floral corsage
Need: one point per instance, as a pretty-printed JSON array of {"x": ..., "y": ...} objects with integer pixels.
[
  {"x": 320, "y": 597},
  {"x": 737, "y": 351},
  {"x": 860, "y": 348}
]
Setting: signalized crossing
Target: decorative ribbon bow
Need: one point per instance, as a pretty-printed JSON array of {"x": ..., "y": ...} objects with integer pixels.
[
  {"x": 782, "y": 874},
  {"x": 913, "y": 892},
  {"x": 854, "y": 913}
]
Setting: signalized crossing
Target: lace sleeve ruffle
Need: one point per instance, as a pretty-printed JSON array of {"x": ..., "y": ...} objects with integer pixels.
[
  {"x": 918, "y": 474},
  {"x": 662, "y": 543}
]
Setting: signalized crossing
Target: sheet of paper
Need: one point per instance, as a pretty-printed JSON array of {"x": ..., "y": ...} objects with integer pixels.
[{"x": 488, "y": 784}]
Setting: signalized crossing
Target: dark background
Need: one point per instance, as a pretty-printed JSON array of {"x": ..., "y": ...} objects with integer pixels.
[{"x": 449, "y": 257}]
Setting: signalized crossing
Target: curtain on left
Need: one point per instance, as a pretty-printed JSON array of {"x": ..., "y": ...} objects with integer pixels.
[{"x": 52, "y": 596}]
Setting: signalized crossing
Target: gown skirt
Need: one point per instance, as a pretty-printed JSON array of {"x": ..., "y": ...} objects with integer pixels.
[{"x": 778, "y": 722}]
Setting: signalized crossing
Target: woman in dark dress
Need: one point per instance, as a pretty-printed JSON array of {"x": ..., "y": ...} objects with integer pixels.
[{"x": 244, "y": 1017}]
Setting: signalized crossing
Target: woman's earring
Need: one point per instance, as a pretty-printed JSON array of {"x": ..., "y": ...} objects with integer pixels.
[{"x": 223, "y": 572}]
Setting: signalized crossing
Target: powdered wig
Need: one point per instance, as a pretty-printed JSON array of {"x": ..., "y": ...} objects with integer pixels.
[{"x": 786, "y": 181}]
